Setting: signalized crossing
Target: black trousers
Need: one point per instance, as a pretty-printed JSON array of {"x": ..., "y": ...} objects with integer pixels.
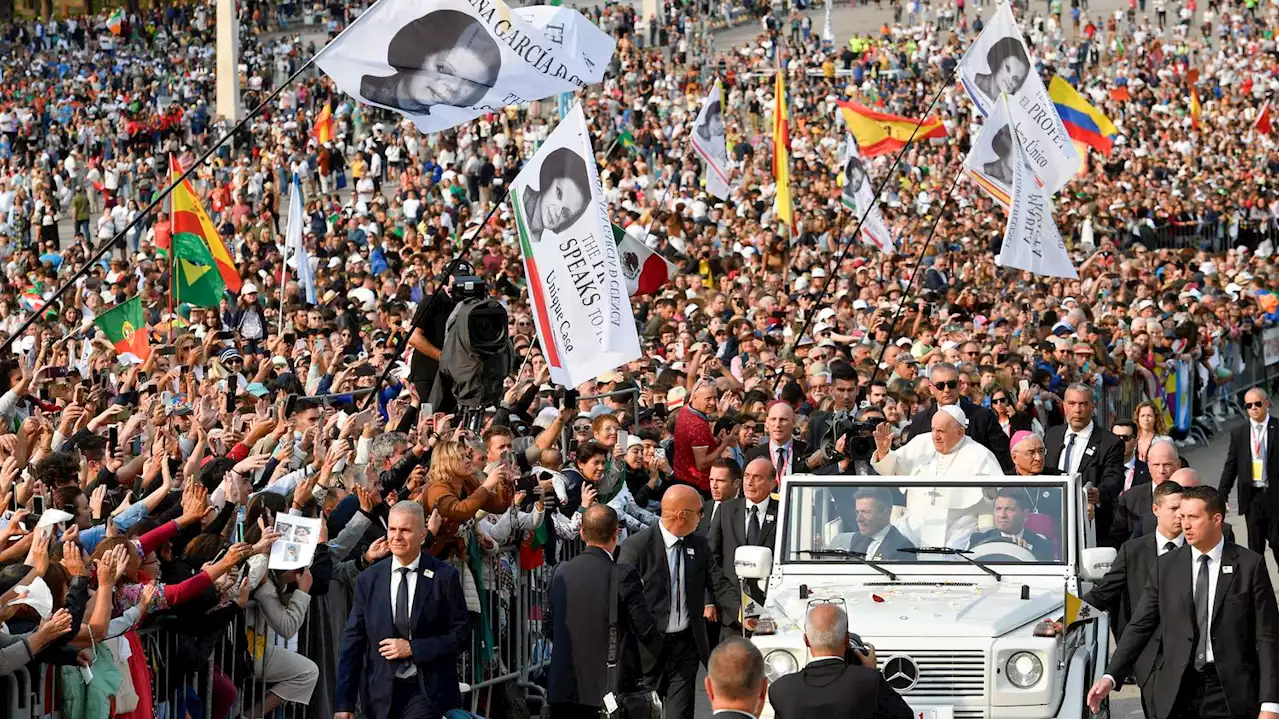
[
  {"x": 676, "y": 674},
  {"x": 1201, "y": 696},
  {"x": 574, "y": 711},
  {"x": 1260, "y": 521},
  {"x": 407, "y": 701}
]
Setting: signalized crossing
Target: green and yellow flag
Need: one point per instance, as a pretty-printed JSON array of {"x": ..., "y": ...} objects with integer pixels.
[
  {"x": 627, "y": 140},
  {"x": 196, "y": 279},
  {"x": 127, "y": 330}
]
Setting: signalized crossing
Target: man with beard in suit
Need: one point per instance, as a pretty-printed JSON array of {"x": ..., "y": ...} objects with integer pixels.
[
  {"x": 1254, "y": 462},
  {"x": 1211, "y": 607},
  {"x": 1120, "y": 590},
  {"x": 983, "y": 425},
  {"x": 1081, "y": 447},
  {"x": 678, "y": 569},
  {"x": 877, "y": 539}
]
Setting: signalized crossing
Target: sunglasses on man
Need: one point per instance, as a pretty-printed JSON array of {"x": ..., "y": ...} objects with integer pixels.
[
  {"x": 1254, "y": 405},
  {"x": 949, "y": 384}
]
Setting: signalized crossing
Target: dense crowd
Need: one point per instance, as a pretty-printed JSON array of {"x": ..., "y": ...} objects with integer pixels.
[{"x": 175, "y": 472}]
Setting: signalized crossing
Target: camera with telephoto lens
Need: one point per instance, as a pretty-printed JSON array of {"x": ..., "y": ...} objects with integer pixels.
[{"x": 860, "y": 441}]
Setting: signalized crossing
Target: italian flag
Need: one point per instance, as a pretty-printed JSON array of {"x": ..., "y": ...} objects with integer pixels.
[
  {"x": 646, "y": 271},
  {"x": 125, "y": 327}
]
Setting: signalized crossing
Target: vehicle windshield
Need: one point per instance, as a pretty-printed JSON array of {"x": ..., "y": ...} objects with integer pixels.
[{"x": 995, "y": 524}]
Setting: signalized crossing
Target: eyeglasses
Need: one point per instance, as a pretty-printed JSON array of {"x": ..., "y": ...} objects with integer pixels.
[
  {"x": 1254, "y": 405},
  {"x": 971, "y": 354},
  {"x": 949, "y": 384},
  {"x": 1127, "y": 437},
  {"x": 999, "y": 400}
]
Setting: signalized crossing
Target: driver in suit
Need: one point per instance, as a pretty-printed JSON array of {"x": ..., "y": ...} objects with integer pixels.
[{"x": 1011, "y": 526}]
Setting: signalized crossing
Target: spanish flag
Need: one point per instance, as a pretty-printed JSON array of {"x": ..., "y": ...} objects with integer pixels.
[
  {"x": 782, "y": 156},
  {"x": 1195, "y": 107},
  {"x": 1083, "y": 121},
  {"x": 1263, "y": 123},
  {"x": 879, "y": 133},
  {"x": 323, "y": 130},
  {"x": 190, "y": 217}
]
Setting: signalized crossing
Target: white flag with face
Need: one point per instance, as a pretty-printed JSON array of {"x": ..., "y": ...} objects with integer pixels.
[
  {"x": 575, "y": 34},
  {"x": 582, "y": 311},
  {"x": 990, "y": 160},
  {"x": 1031, "y": 239},
  {"x": 709, "y": 142},
  {"x": 999, "y": 62},
  {"x": 443, "y": 62},
  {"x": 860, "y": 197},
  {"x": 827, "y": 34}
]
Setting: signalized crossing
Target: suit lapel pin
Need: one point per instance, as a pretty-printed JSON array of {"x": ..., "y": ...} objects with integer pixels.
[
  {"x": 768, "y": 517},
  {"x": 428, "y": 574},
  {"x": 688, "y": 551},
  {"x": 1228, "y": 569},
  {"x": 1088, "y": 450}
]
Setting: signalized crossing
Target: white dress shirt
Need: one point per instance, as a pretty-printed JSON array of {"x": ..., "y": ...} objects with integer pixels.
[
  {"x": 408, "y": 670},
  {"x": 1258, "y": 450},
  {"x": 760, "y": 510},
  {"x": 678, "y": 617},
  {"x": 1214, "y": 569},
  {"x": 1130, "y": 467},
  {"x": 788, "y": 457},
  {"x": 876, "y": 540},
  {"x": 1077, "y": 449},
  {"x": 1162, "y": 540}
]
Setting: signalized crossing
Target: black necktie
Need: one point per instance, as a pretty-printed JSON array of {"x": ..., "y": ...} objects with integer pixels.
[
  {"x": 753, "y": 527},
  {"x": 1170, "y": 546},
  {"x": 1071, "y": 444},
  {"x": 402, "y": 604},
  {"x": 1202, "y": 613},
  {"x": 782, "y": 463},
  {"x": 676, "y": 572}
]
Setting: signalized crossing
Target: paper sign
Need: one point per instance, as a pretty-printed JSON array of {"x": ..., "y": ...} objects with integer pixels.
[{"x": 297, "y": 544}]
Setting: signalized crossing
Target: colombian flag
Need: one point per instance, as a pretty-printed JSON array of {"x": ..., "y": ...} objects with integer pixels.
[
  {"x": 1083, "y": 121},
  {"x": 880, "y": 133},
  {"x": 189, "y": 216},
  {"x": 782, "y": 155},
  {"x": 323, "y": 130}
]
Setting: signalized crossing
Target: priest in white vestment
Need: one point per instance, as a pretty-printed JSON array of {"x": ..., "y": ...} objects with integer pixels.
[{"x": 939, "y": 516}]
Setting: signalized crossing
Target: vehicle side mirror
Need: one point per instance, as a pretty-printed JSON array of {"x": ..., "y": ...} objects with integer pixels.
[
  {"x": 753, "y": 562},
  {"x": 1095, "y": 562}
]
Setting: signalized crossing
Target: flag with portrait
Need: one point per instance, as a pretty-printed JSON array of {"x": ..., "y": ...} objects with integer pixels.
[
  {"x": 859, "y": 197},
  {"x": 999, "y": 62},
  {"x": 577, "y": 287},
  {"x": 1031, "y": 239},
  {"x": 991, "y": 157},
  {"x": 443, "y": 62},
  {"x": 709, "y": 142}
]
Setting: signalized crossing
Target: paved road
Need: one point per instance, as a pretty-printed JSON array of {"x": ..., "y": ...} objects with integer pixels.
[{"x": 1126, "y": 704}]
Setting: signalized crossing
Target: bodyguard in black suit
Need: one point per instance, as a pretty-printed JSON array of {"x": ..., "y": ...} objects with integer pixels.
[
  {"x": 399, "y": 654},
  {"x": 1011, "y": 509},
  {"x": 726, "y": 479},
  {"x": 577, "y": 623},
  {"x": 780, "y": 425},
  {"x": 1096, "y": 455},
  {"x": 984, "y": 426},
  {"x": 1211, "y": 606},
  {"x": 749, "y": 520},
  {"x": 827, "y": 686},
  {"x": 1119, "y": 592},
  {"x": 876, "y": 538},
  {"x": 677, "y": 568},
  {"x": 1254, "y": 462}
]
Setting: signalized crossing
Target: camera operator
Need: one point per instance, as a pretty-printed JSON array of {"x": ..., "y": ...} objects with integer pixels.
[
  {"x": 841, "y": 681},
  {"x": 844, "y": 391},
  {"x": 852, "y": 450}
]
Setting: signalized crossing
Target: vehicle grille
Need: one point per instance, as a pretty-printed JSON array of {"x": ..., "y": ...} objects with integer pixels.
[
  {"x": 945, "y": 673},
  {"x": 963, "y": 713}
]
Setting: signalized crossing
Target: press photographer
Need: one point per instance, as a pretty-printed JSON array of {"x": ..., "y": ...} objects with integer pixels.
[{"x": 850, "y": 443}]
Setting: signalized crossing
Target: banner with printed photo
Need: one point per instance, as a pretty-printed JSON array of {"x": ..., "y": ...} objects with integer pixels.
[
  {"x": 297, "y": 544},
  {"x": 859, "y": 196},
  {"x": 574, "y": 34},
  {"x": 990, "y": 160},
  {"x": 1031, "y": 239},
  {"x": 999, "y": 62},
  {"x": 443, "y": 62},
  {"x": 709, "y": 142},
  {"x": 576, "y": 284}
]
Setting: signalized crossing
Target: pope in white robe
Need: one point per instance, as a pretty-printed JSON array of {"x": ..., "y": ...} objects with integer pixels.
[{"x": 939, "y": 516}]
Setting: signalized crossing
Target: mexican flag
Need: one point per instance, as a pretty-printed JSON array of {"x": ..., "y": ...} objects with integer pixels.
[
  {"x": 124, "y": 326},
  {"x": 195, "y": 277},
  {"x": 645, "y": 271}
]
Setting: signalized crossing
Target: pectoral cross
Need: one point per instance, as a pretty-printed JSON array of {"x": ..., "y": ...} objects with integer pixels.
[{"x": 933, "y": 497}]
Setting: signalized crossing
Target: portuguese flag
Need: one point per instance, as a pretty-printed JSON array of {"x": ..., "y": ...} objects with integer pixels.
[
  {"x": 195, "y": 274},
  {"x": 124, "y": 326},
  {"x": 189, "y": 217}
]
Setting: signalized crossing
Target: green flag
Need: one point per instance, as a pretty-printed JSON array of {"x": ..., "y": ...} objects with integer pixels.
[
  {"x": 627, "y": 140},
  {"x": 126, "y": 329},
  {"x": 196, "y": 279}
]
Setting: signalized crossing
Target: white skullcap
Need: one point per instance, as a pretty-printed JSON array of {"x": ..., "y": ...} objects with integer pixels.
[{"x": 957, "y": 414}]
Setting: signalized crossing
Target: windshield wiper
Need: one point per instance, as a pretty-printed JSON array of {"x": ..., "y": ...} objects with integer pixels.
[
  {"x": 962, "y": 553},
  {"x": 859, "y": 557}
]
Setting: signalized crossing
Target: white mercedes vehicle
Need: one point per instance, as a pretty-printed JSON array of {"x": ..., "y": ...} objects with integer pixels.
[{"x": 960, "y": 585}]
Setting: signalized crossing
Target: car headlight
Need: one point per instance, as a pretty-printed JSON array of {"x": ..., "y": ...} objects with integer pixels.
[
  {"x": 1024, "y": 669},
  {"x": 779, "y": 663}
]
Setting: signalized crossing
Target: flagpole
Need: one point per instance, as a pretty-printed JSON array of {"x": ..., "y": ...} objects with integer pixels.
[{"x": 106, "y": 246}]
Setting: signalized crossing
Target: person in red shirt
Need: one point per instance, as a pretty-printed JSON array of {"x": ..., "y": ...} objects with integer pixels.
[{"x": 696, "y": 446}]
